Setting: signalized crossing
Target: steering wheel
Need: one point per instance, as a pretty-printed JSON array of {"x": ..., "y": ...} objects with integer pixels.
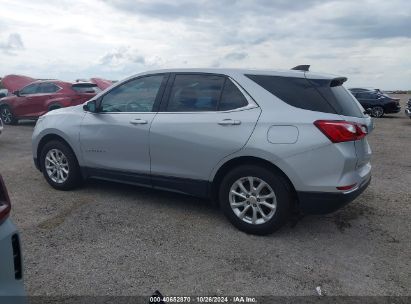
[{"x": 134, "y": 106}]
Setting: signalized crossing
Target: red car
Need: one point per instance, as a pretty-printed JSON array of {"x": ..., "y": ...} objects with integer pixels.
[{"x": 39, "y": 97}]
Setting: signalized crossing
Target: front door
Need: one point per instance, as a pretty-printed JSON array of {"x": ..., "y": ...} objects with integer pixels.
[{"x": 115, "y": 141}]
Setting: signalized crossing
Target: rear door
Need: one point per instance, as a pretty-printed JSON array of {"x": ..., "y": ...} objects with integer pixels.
[
  {"x": 203, "y": 118},
  {"x": 367, "y": 99}
]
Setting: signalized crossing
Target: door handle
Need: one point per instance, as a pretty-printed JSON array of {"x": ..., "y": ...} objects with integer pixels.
[
  {"x": 228, "y": 122},
  {"x": 138, "y": 121}
]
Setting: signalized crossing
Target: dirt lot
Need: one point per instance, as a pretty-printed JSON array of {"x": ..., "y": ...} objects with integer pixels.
[{"x": 110, "y": 239}]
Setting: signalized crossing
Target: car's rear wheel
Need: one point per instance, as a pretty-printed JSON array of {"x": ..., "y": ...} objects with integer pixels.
[
  {"x": 377, "y": 112},
  {"x": 255, "y": 199},
  {"x": 59, "y": 166},
  {"x": 7, "y": 116}
]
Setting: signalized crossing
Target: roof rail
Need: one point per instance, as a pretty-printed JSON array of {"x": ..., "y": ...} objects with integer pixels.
[{"x": 304, "y": 67}]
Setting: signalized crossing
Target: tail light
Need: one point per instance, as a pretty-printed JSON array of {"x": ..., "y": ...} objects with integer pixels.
[
  {"x": 5, "y": 205},
  {"x": 345, "y": 188},
  {"x": 341, "y": 131}
]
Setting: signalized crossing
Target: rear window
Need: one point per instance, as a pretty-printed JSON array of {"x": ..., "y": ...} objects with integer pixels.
[
  {"x": 314, "y": 95},
  {"x": 86, "y": 88}
]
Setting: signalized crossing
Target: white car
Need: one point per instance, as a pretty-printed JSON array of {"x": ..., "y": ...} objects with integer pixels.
[
  {"x": 11, "y": 267},
  {"x": 260, "y": 142}
]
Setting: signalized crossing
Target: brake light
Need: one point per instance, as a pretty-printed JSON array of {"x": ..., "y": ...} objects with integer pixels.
[
  {"x": 345, "y": 188},
  {"x": 340, "y": 130},
  {"x": 5, "y": 204}
]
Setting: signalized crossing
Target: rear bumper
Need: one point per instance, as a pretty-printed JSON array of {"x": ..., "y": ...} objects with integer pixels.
[
  {"x": 327, "y": 202},
  {"x": 408, "y": 112}
]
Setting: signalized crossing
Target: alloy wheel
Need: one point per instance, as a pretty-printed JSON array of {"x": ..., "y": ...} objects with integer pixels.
[
  {"x": 57, "y": 166},
  {"x": 253, "y": 200},
  {"x": 377, "y": 112},
  {"x": 6, "y": 115}
]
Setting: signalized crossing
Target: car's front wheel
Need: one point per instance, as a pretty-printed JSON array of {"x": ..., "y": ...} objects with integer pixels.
[
  {"x": 377, "y": 112},
  {"x": 7, "y": 116},
  {"x": 59, "y": 166},
  {"x": 255, "y": 199}
]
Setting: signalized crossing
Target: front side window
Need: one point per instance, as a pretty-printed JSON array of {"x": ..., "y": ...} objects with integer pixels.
[
  {"x": 195, "y": 93},
  {"x": 137, "y": 95},
  {"x": 30, "y": 89}
]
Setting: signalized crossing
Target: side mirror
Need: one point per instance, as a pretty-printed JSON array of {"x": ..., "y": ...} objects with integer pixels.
[
  {"x": 90, "y": 106},
  {"x": 17, "y": 93}
]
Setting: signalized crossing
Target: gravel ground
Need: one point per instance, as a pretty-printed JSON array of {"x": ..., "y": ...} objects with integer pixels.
[{"x": 111, "y": 239}]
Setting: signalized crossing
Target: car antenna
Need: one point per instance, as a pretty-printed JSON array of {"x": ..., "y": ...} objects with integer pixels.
[{"x": 304, "y": 67}]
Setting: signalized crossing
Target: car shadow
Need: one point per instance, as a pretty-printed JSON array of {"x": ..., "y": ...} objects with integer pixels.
[{"x": 297, "y": 224}]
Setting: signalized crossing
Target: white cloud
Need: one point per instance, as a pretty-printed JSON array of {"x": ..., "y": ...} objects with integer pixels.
[
  {"x": 367, "y": 41},
  {"x": 12, "y": 44}
]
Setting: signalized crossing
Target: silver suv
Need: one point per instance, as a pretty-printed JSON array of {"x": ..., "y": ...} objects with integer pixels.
[{"x": 262, "y": 143}]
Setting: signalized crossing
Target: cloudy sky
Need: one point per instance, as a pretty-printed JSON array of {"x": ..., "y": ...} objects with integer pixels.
[{"x": 367, "y": 41}]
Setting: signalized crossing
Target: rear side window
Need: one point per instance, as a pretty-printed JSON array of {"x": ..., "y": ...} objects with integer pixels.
[
  {"x": 314, "y": 95},
  {"x": 231, "y": 98},
  {"x": 91, "y": 88},
  {"x": 339, "y": 98},
  {"x": 195, "y": 93},
  {"x": 48, "y": 87}
]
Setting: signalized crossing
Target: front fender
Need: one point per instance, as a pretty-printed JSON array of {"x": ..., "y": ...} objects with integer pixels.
[{"x": 62, "y": 123}]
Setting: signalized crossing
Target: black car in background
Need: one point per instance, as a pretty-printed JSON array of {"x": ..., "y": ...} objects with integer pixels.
[
  {"x": 408, "y": 108},
  {"x": 378, "y": 102}
]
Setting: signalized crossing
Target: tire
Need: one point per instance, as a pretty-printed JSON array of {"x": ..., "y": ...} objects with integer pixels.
[
  {"x": 377, "y": 112},
  {"x": 275, "y": 183},
  {"x": 62, "y": 157},
  {"x": 7, "y": 116}
]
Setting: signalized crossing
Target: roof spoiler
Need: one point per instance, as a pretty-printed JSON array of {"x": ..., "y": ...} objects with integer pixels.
[
  {"x": 337, "y": 81},
  {"x": 304, "y": 67}
]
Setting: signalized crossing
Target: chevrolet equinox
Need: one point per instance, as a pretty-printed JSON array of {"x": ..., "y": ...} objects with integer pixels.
[{"x": 262, "y": 143}]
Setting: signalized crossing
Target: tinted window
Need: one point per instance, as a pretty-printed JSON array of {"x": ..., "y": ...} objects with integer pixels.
[
  {"x": 86, "y": 88},
  {"x": 297, "y": 92},
  {"x": 314, "y": 95},
  {"x": 367, "y": 95},
  {"x": 232, "y": 98},
  {"x": 137, "y": 95},
  {"x": 48, "y": 88},
  {"x": 30, "y": 89},
  {"x": 193, "y": 93},
  {"x": 339, "y": 98}
]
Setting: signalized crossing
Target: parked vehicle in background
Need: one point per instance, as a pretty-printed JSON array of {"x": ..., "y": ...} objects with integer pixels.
[
  {"x": 379, "y": 104},
  {"x": 101, "y": 83},
  {"x": 15, "y": 82},
  {"x": 262, "y": 143},
  {"x": 4, "y": 93},
  {"x": 42, "y": 96},
  {"x": 408, "y": 108},
  {"x": 11, "y": 274}
]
